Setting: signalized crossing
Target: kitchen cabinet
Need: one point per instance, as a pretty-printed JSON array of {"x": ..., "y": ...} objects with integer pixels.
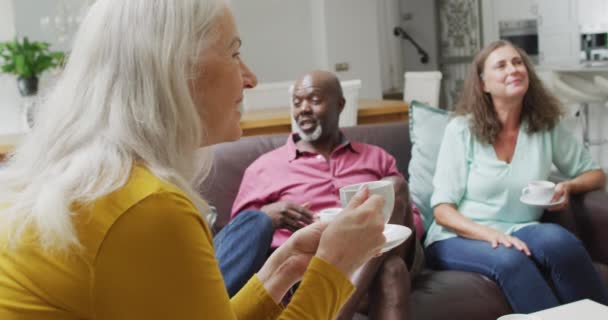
[
  {"x": 558, "y": 32},
  {"x": 495, "y": 12},
  {"x": 559, "y": 24},
  {"x": 515, "y": 10},
  {"x": 592, "y": 16}
]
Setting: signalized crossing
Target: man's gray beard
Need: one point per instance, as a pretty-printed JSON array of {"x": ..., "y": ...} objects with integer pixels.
[{"x": 310, "y": 137}]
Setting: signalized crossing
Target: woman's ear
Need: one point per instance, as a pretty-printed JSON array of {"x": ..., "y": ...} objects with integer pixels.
[{"x": 482, "y": 84}]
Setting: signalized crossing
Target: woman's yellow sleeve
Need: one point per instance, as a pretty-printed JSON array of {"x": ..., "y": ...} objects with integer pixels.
[
  {"x": 157, "y": 262},
  {"x": 323, "y": 291}
]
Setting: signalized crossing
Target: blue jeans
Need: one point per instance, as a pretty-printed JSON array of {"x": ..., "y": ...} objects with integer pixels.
[
  {"x": 242, "y": 247},
  {"x": 556, "y": 254}
]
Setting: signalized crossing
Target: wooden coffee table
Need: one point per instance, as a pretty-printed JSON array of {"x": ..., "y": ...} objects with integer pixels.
[{"x": 583, "y": 309}]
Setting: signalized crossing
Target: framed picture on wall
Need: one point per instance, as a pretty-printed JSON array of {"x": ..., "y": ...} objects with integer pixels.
[
  {"x": 460, "y": 32},
  {"x": 459, "y": 40}
]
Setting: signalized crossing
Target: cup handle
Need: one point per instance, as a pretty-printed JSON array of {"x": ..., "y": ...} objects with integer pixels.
[{"x": 525, "y": 190}]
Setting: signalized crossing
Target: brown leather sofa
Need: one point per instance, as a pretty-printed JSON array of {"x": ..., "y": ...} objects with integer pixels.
[{"x": 435, "y": 294}]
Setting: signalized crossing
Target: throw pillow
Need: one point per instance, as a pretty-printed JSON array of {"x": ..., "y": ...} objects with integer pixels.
[{"x": 427, "y": 125}]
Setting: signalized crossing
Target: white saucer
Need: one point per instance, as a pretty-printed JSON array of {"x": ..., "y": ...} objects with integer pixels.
[
  {"x": 395, "y": 235},
  {"x": 527, "y": 200}
]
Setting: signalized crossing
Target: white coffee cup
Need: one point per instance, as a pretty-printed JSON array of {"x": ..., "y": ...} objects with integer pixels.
[
  {"x": 382, "y": 188},
  {"x": 518, "y": 316},
  {"x": 540, "y": 191},
  {"x": 329, "y": 214}
]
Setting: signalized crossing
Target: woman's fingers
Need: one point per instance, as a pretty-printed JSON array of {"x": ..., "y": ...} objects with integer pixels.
[
  {"x": 560, "y": 206},
  {"x": 504, "y": 240},
  {"x": 520, "y": 245},
  {"x": 374, "y": 204},
  {"x": 356, "y": 235},
  {"x": 559, "y": 193},
  {"x": 510, "y": 241},
  {"x": 358, "y": 198}
]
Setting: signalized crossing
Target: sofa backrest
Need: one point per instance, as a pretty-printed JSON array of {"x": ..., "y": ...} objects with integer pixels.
[{"x": 232, "y": 158}]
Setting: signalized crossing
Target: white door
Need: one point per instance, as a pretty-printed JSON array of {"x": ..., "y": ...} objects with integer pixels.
[{"x": 558, "y": 32}]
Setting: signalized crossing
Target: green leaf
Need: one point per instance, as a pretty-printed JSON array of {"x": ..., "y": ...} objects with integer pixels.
[
  {"x": 12, "y": 45},
  {"x": 20, "y": 65},
  {"x": 43, "y": 64},
  {"x": 58, "y": 55},
  {"x": 28, "y": 58},
  {"x": 8, "y": 68}
]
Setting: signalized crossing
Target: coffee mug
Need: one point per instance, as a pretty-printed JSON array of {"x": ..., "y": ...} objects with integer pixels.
[
  {"x": 329, "y": 214},
  {"x": 518, "y": 316},
  {"x": 540, "y": 191},
  {"x": 382, "y": 188}
]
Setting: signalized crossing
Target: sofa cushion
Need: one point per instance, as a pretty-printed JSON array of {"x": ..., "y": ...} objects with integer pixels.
[
  {"x": 427, "y": 125},
  {"x": 456, "y": 295}
]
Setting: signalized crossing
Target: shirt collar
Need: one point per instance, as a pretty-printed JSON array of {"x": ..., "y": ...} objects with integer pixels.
[{"x": 293, "y": 152}]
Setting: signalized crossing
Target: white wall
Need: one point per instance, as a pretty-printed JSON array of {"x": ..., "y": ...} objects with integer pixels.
[
  {"x": 28, "y": 15},
  {"x": 7, "y": 21},
  {"x": 27, "y": 18},
  {"x": 282, "y": 39},
  {"x": 391, "y": 51},
  {"x": 424, "y": 29},
  {"x": 277, "y": 37},
  {"x": 352, "y": 37},
  {"x": 319, "y": 36},
  {"x": 9, "y": 95}
]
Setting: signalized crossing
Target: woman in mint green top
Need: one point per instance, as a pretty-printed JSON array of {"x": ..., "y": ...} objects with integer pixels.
[
  {"x": 506, "y": 135},
  {"x": 490, "y": 194}
]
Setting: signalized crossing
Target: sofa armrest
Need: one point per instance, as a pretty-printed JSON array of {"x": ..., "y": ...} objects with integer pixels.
[{"x": 587, "y": 217}]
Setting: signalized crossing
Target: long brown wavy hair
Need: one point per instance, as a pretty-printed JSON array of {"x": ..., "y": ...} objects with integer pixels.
[{"x": 541, "y": 109}]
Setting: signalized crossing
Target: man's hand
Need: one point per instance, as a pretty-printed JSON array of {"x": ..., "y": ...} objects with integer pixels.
[{"x": 288, "y": 215}]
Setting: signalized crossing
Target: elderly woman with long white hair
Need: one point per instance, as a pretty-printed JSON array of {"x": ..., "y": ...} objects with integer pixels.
[{"x": 98, "y": 217}]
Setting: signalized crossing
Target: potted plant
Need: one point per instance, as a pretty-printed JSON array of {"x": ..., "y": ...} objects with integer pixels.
[{"x": 28, "y": 60}]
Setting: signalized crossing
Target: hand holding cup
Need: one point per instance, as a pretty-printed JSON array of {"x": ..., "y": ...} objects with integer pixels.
[
  {"x": 548, "y": 194},
  {"x": 383, "y": 188},
  {"x": 355, "y": 235},
  {"x": 562, "y": 191}
]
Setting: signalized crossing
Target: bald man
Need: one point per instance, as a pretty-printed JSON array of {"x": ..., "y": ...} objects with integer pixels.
[{"x": 284, "y": 189}]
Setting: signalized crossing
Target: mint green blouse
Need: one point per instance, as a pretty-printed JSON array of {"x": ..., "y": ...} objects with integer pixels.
[{"x": 486, "y": 189}]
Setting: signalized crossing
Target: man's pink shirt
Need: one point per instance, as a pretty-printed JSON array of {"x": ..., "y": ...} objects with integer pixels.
[{"x": 287, "y": 174}]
